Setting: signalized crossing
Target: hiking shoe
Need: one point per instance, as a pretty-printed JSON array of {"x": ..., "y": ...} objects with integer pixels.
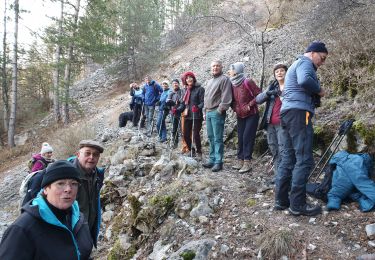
[
  {"x": 238, "y": 164},
  {"x": 245, "y": 167},
  {"x": 280, "y": 206},
  {"x": 208, "y": 165},
  {"x": 217, "y": 167},
  {"x": 307, "y": 210}
]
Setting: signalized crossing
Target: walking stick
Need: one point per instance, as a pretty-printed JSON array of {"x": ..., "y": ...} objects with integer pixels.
[
  {"x": 343, "y": 130},
  {"x": 140, "y": 119}
]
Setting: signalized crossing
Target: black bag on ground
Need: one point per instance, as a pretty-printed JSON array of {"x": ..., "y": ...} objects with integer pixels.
[{"x": 320, "y": 190}]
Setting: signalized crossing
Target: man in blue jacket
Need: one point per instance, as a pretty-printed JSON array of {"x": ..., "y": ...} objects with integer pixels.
[
  {"x": 301, "y": 95},
  {"x": 152, "y": 92}
]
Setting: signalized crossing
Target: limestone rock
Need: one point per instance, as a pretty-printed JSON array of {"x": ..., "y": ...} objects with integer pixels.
[{"x": 199, "y": 248}]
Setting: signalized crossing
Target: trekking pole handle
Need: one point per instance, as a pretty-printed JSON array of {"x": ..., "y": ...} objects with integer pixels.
[{"x": 345, "y": 126}]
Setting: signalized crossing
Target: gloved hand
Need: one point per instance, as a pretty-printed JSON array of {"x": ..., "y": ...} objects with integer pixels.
[
  {"x": 173, "y": 110},
  {"x": 271, "y": 92},
  {"x": 194, "y": 109}
]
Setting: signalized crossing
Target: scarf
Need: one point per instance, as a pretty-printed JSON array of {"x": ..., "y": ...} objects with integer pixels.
[
  {"x": 187, "y": 94},
  {"x": 238, "y": 79}
]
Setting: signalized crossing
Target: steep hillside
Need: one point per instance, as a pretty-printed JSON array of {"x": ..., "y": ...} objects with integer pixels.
[{"x": 158, "y": 204}]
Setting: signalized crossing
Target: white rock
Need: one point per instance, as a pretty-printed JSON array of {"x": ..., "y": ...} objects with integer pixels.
[
  {"x": 311, "y": 247},
  {"x": 371, "y": 243},
  {"x": 312, "y": 220},
  {"x": 293, "y": 225},
  {"x": 370, "y": 229}
]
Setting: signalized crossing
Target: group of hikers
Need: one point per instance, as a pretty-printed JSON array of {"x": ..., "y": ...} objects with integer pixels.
[
  {"x": 290, "y": 100},
  {"x": 64, "y": 214}
]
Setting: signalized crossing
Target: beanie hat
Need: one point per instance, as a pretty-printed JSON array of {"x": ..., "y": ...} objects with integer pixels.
[
  {"x": 317, "y": 47},
  {"x": 46, "y": 148},
  {"x": 165, "y": 82},
  {"x": 176, "y": 80},
  {"x": 187, "y": 74},
  {"x": 238, "y": 67},
  {"x": 91, "y": 143},
  {"x": 60, "y": 170}
]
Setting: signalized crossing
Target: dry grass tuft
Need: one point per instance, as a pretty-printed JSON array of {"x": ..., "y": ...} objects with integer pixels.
[
  {"x": 67, "y": 139},
  {"x": 277, "y": 243}
]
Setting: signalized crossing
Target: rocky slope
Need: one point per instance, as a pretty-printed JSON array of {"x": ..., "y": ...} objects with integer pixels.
[{"x": 158, "y": 204}]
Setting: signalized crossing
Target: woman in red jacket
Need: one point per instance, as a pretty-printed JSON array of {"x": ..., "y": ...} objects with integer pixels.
[{"x": 244, "y": 104}]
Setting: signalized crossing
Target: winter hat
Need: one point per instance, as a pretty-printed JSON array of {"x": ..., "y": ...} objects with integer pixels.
[
  {"x": 165, "y": 82},
  {"x": 60, "y": 170},
  {"x": 187, "y": 74},
  {"x": 46, "y": 148},
  {"x": 238, "y": 67},
  {"x": 317, "y": 47},
  {"x": 176, "y": 80},
  {"x": 91, "y": 143}
]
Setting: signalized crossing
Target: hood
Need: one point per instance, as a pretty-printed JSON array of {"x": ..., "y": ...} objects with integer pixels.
[{"x": 37, "y": 156}]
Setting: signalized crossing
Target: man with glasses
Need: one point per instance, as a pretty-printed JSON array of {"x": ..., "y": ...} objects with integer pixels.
[
  {"x": 91, "y": 177},
  {"x": 298, "y": 106}
]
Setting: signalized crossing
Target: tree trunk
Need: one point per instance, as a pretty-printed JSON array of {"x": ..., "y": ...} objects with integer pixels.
[
  {"x": 68, "y": 65},
  {"x": 56, "y": 74},
  {"x": 12, "y": 118},
  {"x": 5, "y": 94}
]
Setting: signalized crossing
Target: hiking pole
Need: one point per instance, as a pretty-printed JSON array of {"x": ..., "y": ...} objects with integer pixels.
[
  {"x": 343, "y": 130},
  {"x": 140, "y": 119}
]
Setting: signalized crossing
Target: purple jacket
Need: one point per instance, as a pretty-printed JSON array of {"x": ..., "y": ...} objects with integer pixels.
[{"x": 40, "y": 162}]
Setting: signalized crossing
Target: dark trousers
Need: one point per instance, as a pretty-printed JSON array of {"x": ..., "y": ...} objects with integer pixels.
[
  {"x": 246, "y": 130},
  {"x": 137, "y": 110},
  {"x": 188, "y": 128},
  {"x": 176, "y": 124},
  {"x": 296, "y": 158}
]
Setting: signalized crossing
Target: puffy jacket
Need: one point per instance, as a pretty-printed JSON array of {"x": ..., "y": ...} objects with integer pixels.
[
  {"x": 37, "y": 234},
  {"x": 40, "y": 162},
  {"x": 163, "y": 99},
  {"x": 88, "y": 197},
  {"x": 244, "y": 103},
  {"x": 351, "y": 180},
  {"x": 152, "y": 93},
  {"x": 196, "y": 99},
  {"x": 301, "y": 83},
  {"x": 174, "y": 99},
  {"x": 270, "y": 102}
]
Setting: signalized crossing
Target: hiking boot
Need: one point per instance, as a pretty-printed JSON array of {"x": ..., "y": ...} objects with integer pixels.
[
  {"x": 208, "y": 164},
  {"x": 217, "y": 167},
  {"x": 238, "y": 164},
  {"x": 307, "y": 210},
  {"x": 245, "y": 167},
  {"x": 280, "y": 206}
]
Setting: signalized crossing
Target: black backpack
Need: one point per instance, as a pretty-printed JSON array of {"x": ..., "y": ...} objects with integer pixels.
[{"x": 320, "y": 190}]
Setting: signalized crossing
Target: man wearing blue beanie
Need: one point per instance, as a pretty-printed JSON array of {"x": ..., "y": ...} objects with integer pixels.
[{"x": 302, "y": 89}]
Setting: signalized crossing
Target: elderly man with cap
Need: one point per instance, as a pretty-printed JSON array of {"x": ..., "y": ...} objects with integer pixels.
[
  {"x": 301, "y": 92},
  {"x": 50, "y": 226},
  {"x": 91, "y": 182}
]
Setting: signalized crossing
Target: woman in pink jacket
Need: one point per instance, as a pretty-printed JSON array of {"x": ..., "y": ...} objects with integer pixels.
[{"x": 42, "y": 159}]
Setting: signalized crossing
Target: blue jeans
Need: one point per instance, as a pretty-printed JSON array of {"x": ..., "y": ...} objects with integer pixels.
[
  {"x": 160, "y": 125},
  {"x": 246, "y": 131},
  {"x": 149, "y": 112},
  {"x": 215, "y": 131},
  {"x": 296, "y": 158}
]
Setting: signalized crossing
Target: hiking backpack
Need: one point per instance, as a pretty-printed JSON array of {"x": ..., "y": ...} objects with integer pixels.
[
  {"x": 30, "y": 186},
  {"x": 32, "y": 161}
]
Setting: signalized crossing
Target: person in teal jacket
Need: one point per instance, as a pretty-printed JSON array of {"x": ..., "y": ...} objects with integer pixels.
[
  {"x": 50, "y": 226},
  {"x": 163, "y": 112}
]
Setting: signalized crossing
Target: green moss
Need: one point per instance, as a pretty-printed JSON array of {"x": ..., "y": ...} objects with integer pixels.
[
  {"x": 166, "y": 201},
  {"x": 135, "y": 206},
  {"x": 251, "y": 202},
  {"x": 119, "y": 253},
  {"x": 119, "y": 225},
  {"x": 188, "y": 255},
  {"x": 365, "y": 131}
]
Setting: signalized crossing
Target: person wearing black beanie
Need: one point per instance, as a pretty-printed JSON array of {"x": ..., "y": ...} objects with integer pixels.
[
  {"x": 301, "y": 92},
  {"x": 51, "y": 225}
]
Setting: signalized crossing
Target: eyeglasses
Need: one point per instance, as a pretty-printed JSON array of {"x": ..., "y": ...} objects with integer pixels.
[
  {"x": 61, "y": 185},
  {"x": 89, "y": 154}
]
